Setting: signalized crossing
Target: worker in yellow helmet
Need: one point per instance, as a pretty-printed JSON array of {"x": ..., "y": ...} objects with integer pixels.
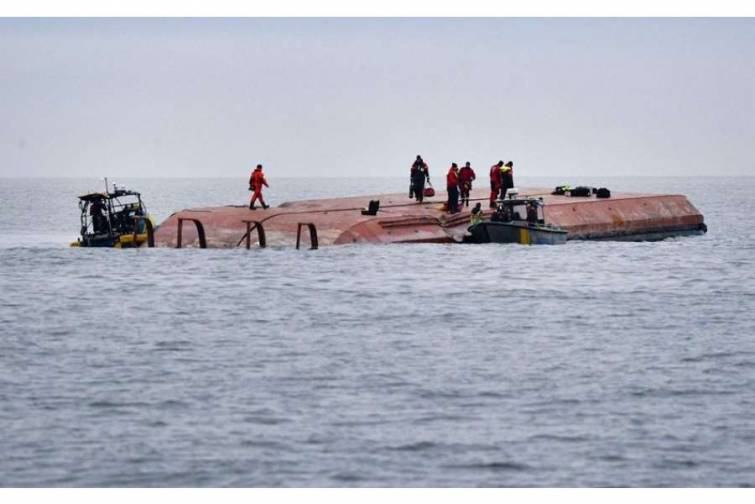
[{"x": 507, "y": 178}]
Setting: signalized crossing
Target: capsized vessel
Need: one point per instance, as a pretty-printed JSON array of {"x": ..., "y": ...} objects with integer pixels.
[{"x": 340, "y": 221}]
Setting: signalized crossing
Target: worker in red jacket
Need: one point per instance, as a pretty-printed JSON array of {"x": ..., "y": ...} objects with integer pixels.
[
  {"x": 256, "y": 181},
  {"x": 466, "y": 176},
  {"x": 452, "y": 186},
  {"x": 495, "y": 182}
]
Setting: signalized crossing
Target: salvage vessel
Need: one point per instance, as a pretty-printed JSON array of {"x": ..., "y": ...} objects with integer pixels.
[
  {"x": 115, "y": 218},
  {"x": 517, "y": 220}
]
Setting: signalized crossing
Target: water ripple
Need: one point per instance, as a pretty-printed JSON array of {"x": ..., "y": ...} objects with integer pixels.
[{"x": 591, "y": 364}]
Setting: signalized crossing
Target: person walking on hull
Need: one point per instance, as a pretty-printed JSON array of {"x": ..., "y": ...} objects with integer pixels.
[
  {"x": 466, "y": 176},
  {"x": 495, "y": 182},
  {"x": 452, "y": 185},
  {"x": 256, "y": 181},
  {"x": 420, "y": 173},
  {"x": 507, "y": 178}
]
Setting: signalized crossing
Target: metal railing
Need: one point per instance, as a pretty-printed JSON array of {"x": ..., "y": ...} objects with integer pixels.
[
  {"x": 312, "y": 235},
  {"x": 200, "y": 232},
  {"x": 253, "y": 224}
]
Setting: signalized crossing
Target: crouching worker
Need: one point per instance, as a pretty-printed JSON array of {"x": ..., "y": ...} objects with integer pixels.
[
  {"x": 256, "y": 181},
  {"x": 476, "y": 215}
]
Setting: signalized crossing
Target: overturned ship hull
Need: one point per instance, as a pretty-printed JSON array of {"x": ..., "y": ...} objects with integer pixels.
[{"x": 340, "y": 221}]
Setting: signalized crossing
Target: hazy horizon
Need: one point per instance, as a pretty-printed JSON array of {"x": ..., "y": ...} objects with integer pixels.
[
  {"x": 245, "y": 175},
  {"x": 204, "y": 98}
]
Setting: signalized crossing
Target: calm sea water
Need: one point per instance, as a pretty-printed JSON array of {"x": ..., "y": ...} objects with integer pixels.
[{"x": 589, "y": 364}]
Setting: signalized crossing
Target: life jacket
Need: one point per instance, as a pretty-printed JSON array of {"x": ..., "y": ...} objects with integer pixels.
[
  {"x": 466, "y": 174},
  {"x": 495, "y": 174},
  {"x": 475, "y": 217},
  {"x": 452, "y": 179},
  {"x": 258, "y": 180}
]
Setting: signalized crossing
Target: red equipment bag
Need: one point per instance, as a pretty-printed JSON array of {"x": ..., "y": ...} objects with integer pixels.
[{"x": 429, "y": 192}]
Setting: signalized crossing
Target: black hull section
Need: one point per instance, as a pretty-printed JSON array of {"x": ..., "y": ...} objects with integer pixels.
[
  {"x": 509, "y": 232},
  {"x": 103, "y": 241},
  {"x": 647, "y": 236}
]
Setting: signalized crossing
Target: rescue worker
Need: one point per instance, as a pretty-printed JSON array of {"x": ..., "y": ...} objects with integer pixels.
[
  {"x": 532, "y": 212},
  {"x": 495, "y": 182},
  {"x": 466, "y": 176},
  {"x": 419, "y": 173},
  {"x": 476, "y": 215},
  {"x": 256, "y": 181},
  {"x": 507, "y": 178},
  {"x": 452, "y": 186},
  {"x": 99, "y": 223}
]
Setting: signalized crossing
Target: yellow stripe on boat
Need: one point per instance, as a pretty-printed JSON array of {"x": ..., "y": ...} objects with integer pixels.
[
  {"x": 524, "y": 236},
  {"x": 127, "y": 240}
]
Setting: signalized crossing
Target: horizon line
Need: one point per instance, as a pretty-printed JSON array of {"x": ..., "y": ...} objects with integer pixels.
[{"x": 373, "y": 177}]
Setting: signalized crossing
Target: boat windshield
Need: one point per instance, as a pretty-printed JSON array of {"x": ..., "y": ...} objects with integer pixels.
[
  {"x": 123, "y": 210},
  {"x": 110, "y": 214},
  {"x": 519, "y": 210}
]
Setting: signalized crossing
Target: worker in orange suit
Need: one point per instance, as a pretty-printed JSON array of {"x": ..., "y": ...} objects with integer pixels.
[
  {"x": 452, "y": 186},
  {"x": 495, "y": 182},
  {"x": 256, "y": 181},
  {"x": 466, "y": 176}
]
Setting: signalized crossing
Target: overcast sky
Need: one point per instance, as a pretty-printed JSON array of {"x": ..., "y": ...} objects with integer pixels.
[{"x": 362, "y": 97}]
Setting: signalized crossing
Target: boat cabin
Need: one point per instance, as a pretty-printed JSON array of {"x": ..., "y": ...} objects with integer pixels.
[
  {"x": 528, "y": 210},
  {"x": 517, "y": 220}
]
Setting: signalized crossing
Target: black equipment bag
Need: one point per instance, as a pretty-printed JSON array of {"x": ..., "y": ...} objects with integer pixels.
[
  {"x": 603, "y": 193},
  {"x": 581, "y": 191}
]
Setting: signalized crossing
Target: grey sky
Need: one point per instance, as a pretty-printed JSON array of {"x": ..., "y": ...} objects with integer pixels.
[{"x": 362, "y": 97}]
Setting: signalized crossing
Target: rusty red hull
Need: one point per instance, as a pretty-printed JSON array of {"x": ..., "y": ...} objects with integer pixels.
[{"x": 401, "y": 220}]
